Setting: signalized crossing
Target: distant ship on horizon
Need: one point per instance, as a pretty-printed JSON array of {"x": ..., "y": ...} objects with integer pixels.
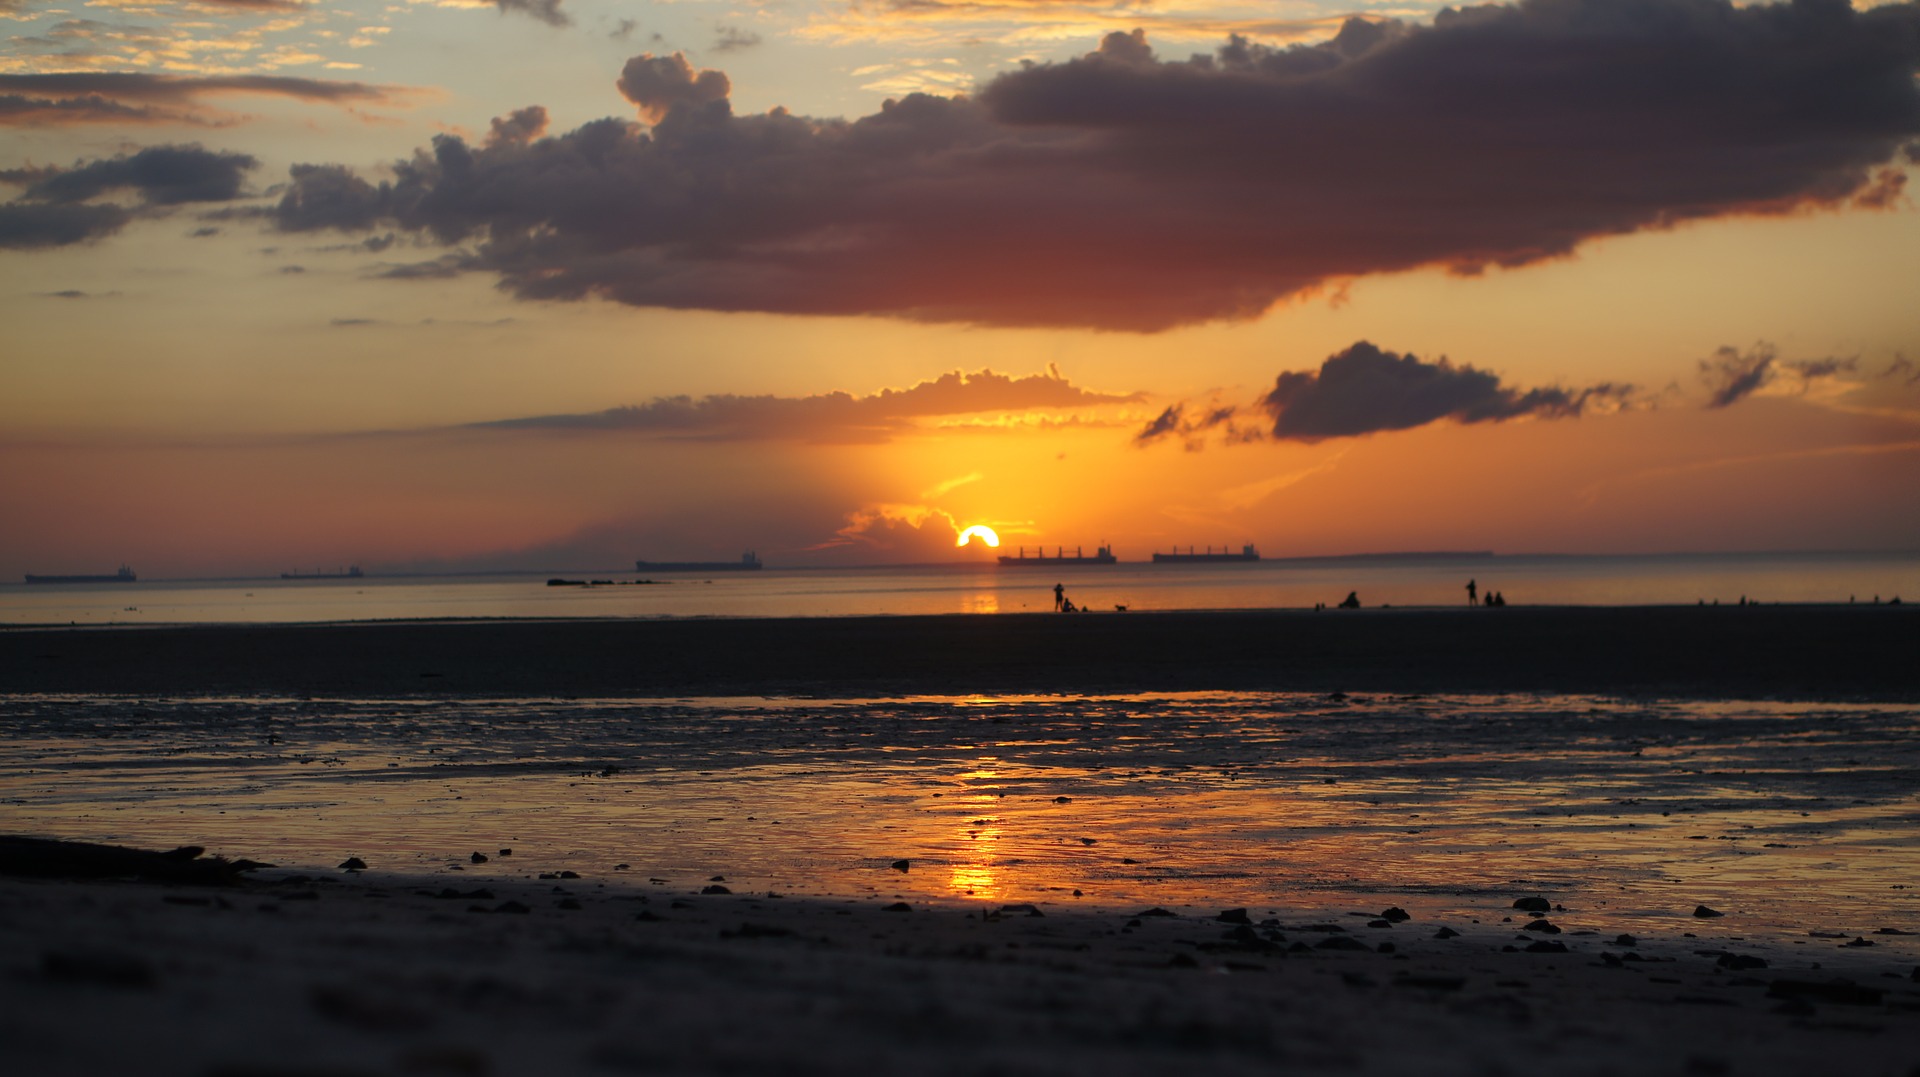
[
  {"x": 125, "y": 575},
  {"x": 1102, "y": 556},
  {"x": 351, "y": 573},
  {"x": 749, "y": 561},
  {"x": 1247, "y": 553}
]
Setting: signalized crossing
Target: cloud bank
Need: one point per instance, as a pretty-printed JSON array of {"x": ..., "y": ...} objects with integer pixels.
[
  {"x": 1365, "y": 390},
  {"x": 55, "y": 209},
  {"x": 70, "y": 98},
  {"x": 827, "y": 417},
  {"x": 1123, "y": 191}
]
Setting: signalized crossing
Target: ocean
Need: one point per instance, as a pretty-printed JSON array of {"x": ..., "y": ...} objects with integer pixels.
[{"x": 1397, "y": 580}]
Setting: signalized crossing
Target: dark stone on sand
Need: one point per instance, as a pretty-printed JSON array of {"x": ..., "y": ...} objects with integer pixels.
[
  {"x": 1234, "y": 916},
  {"x": 901, "y": 866},
  {"x": 1891, "y": 931},
  {"x": 715, "y": 888},
  {"x": 898, "y": 906},
  {"x": 478, "y": 857},
  {"x": 353, "y": 863},
  {"x": 1340, "y": 942},
  {"x": 97, "y": 969},
  {"x": 46, "y": 858},
  {"x": 1533, "y": 904},
  {"x": 1022, "y": 909},
  {"x": 569, "y": 875},
  {"x": 1063, "y": 800},
  {"x": 1544, "y": 927},
  {"x": 1155, "y": 911},
  {"x": 1740, "y": 962},
  {"x": 718, "y": 879},
  {"x": 513, "y": 907},
  {"x": 1857, "y": 943},
  {"x": 1546, "y": 947},
  {"x": 1705, "y": 913},
  {"x": 1395, "y": 914},
  {"x": 506, "y": 852},
  {"x": 1625, "y": 940},
  {"x": 1446, "y": 933},
  {"x": 1379, "y": 923},
  {"x": 1836, "y": 992}
]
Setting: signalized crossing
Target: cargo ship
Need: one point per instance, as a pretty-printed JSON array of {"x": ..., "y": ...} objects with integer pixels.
[
  {"x": 1191, "y": 557},
  {"x": 352, "y": 573},
  {"x": 125, "y": 575},
  {"x": 1101, "y": 556},
  {"x": 748, "y": 561}
]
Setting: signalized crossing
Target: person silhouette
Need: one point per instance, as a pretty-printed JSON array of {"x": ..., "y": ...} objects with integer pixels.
[
  {"x": 1059, "y": 597},
  {"x": 1472, "y": 589}
]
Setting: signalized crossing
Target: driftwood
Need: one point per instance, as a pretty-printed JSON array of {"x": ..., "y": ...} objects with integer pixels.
[{"x": 46, "y": 858}]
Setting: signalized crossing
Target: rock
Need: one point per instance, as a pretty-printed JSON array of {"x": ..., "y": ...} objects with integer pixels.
[
  {"x": 1857, "y": 943},
  {"x": 569, "y": 875},
  {"x": 1891, "y": 931},
  {"x": 478, "y": 857},
  {"x": 1446, "y": 933},
  {"x": 1379, "y": 923},
  {"x": 1740, "y": 962},
  {"x": 506, "y": 852},
  {"x": 1063, "y": 800},
  {"x": 1544, "y": 927},
  {"x": 1089, "y": 841},
  {"x": 1396, "y": 914},
  {"x": 353, "y": 863},
  {"x": 1011, "y": 910},
  {"x": 1546, "y": 947},
  {"x": 1155, "y": 911},
  {"x": 1533, "y": 904},
  {"x": 716, "y": 888},
  {"x": 1625, "y": 940},
  {"x": 1704, "y": 913},
  {"x": 1340, "y": 942},
  {"x": 901, "y": 866},
  {"x": 1234, "y": 916},
  {"x": 718, "y": 879},
  {"x": 898, "y": 906}
]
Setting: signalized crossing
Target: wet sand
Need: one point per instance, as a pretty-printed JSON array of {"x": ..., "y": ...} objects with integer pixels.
[
  {"x": 1805, "y": 652},
  {"x": 328, "y": 972}
]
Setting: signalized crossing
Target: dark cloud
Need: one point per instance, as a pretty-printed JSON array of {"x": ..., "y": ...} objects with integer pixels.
[
  {"x": 79, "y": 97},
  {"x": 518, "y": 127},
  {"x": 1903, "y": 369},
  {"x": 1365, "y": 390},
  {"x": 828, "y": 417},
  {"x": 31, "y": 225},
  {"x": 1122, "y": 191},
  {"x": 547, "y": 11},
  {"x": 161, "y": 175},
  {"x": 1733, "y": 375},
  {"x": 733, "y": 38}
]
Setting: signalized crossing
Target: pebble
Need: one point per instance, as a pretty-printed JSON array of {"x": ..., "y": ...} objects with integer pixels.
[
  {"x": 1533, "y": 904},
  {"x": 901, "y": 866},
  {"x": 1544, "y": 927},
  {"x": 478, "y": 857},
  {"x": 353, "y": 863},
  {"x": 1396, "y": 914},
  {"x": 1234, "y": 916},
  {"x": 898, "y": 906},
  {"x": 715, "y": 888},
  {"x": 1705, "y": 913},
  {"x": 1446, "y": 933}
]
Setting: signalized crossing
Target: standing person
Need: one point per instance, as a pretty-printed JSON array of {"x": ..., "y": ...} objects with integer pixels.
[
  {"x": 1472, "y": 589},
  {"x": 1059, "y": 597}
]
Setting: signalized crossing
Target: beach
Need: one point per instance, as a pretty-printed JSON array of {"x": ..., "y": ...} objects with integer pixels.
[{"x": 1641, "y": 840}]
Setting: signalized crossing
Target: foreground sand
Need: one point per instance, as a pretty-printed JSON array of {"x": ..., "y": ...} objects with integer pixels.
[
  {"x": 1827, "y": 653},
  {"x": 339, "y": 973}
]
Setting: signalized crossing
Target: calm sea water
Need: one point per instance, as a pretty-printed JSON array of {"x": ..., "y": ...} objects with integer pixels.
[
  {"x": 1785, "y": 816},
  {"x": 1399, "y": 580}
]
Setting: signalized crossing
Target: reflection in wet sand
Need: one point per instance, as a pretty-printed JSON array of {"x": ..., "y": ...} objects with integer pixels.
[{"x": 1630, "y": 809}]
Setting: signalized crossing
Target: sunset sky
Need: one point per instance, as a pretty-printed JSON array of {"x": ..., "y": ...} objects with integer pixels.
[{"x": 450, "y": 284}]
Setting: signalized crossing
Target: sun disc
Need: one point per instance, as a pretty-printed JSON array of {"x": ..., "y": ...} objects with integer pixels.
[{"x": 982, "y": 532}]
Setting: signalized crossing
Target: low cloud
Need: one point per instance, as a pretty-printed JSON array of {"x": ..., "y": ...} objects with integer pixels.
[
  {"x": 1733, "y": 375},
  {"x": 1365, "y": 390},
  {"x": 828, "y": 417},
  {"x": 72, "y": 98},
  {"x": 55, "y": 206},
  {"x": 547, "y": 11},
  {"x": 1125, "y": 191}
]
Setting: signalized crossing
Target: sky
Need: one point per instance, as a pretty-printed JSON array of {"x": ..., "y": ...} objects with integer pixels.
[{"x": 449, "y": 285}]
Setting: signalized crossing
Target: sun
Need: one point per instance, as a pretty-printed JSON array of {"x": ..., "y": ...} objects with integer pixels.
[{"x": 980, "y": 531}]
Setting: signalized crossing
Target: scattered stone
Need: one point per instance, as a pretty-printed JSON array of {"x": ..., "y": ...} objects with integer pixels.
[
  {"x": 1857, "y": 943},
  {"x": 1625, "y": 940},
  {"x": 1533, "y": 904},
  {"x": 1379, "y": 923},
  {"x": 1544, "y": 927},
  {"x": 898, "y": 906},
  {"x": 716, "y": 888},
  {"x": 1234, "y": 916},
  {"x": 1063, "y": 800},
  {"x": 1011, "y": 910},
  {"x": 718, "y": 879},
  {"x": 1704, "y": 913},
  {"x": 1340, "y": 942},
  {"x": 1155, "y": 911},
  {"x": 1740, "y": 962},
  {"x": 506, "y": 852},
  {"x": 353, "y": 863},
  {"x": 478, "y": 857},
  {"x": 1396, "y": 914},
  {"x": 1546, "y": 947},
  {"x": 569, "y": 875},
  {"x": 901, "y": 866},
  {"x": 1446, "y": 933},
  {"x": 1128, "y": 860},
  {"x": 1891, "y": 931}
]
